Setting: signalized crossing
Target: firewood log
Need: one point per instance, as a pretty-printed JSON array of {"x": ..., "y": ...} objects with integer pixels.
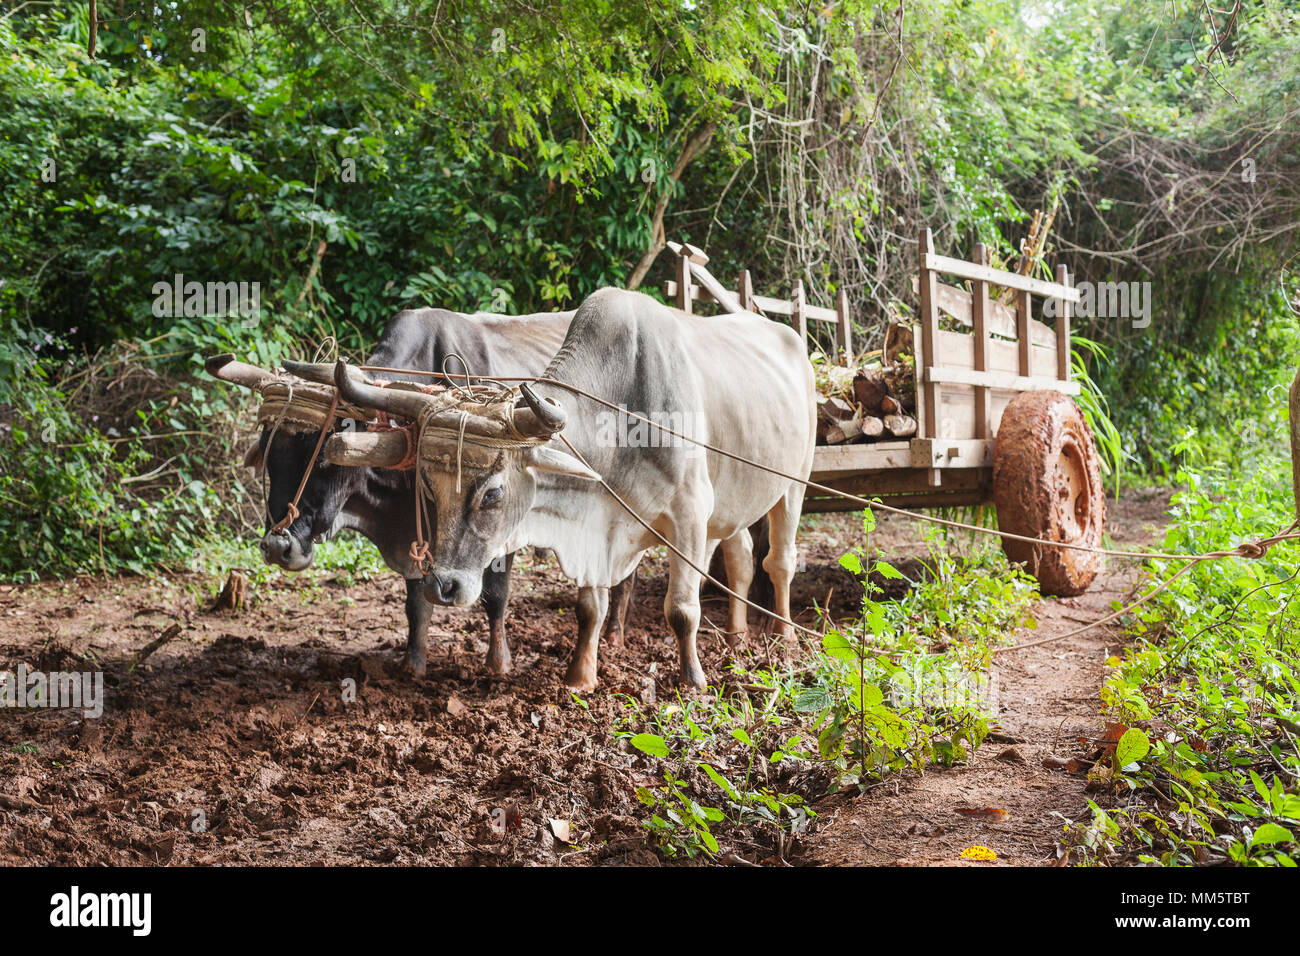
[
  {"x": 900, "y": 426},
  {"x": 844, "y": 431},
  {"x": 834, "y": 410},
  {"x": 869, "y": 388}
]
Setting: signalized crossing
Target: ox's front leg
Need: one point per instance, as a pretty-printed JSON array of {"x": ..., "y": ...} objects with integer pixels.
[
  {"x": 620, "y": 599},
  {"x": 418, "y": 611},
  {"x": 593, "y": 605},
  {"x": 496, "y": 596},
  {"x": 682, "y": 603}
]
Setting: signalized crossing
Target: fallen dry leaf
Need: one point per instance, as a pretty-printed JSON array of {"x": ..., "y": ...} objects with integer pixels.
[
  {"x": 1113, "y": 732},
  {"x": 1056, "y": 763},
  {"x": 984, "y": 813},
  {"x": 978, "y": 853},
  {"x": 1012, "y": 755},
  {"x": 561, "y": 831}
]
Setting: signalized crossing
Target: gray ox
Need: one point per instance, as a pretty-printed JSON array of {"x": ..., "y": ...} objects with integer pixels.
[
  {"x": 379, "y": 503},
  {"x": 743, "y": 382}
]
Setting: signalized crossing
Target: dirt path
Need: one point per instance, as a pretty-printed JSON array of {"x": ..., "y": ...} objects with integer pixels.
[{"x": 1047, "y": 698}]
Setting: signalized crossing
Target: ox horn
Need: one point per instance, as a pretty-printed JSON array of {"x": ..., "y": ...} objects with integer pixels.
[
  {"x": 322, "y": 373},
  {"x": 227, "y": 369},
  {"x": 354, "y": 388},
  {"x": 541, "y": 419}
]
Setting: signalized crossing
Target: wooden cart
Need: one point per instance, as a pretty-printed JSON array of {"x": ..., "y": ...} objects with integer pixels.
[{"x": 995, "y": 424}]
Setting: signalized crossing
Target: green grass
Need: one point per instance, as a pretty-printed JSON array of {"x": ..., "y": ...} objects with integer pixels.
[
  {"x": 346, "y": 560},
  {"x": 1212, "y": 683}
]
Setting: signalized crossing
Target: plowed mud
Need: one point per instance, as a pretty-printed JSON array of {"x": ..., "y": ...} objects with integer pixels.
[{"x": 233, "y": 743}]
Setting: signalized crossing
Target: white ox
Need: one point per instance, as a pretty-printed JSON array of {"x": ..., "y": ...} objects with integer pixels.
[{"x": 501, "y": 479}]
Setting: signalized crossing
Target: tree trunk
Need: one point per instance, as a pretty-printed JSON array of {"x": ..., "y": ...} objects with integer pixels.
[{"x": 694, "y": 145}]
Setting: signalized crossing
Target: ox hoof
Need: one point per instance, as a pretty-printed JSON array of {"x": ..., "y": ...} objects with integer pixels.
[
  {"x": 580, "y": 679},
  {"x": 499, "y": 666},
  {"x": 693, "y": 677},
  {"x": 416, "y": 666},
  {"x": 613, "y": 637}
]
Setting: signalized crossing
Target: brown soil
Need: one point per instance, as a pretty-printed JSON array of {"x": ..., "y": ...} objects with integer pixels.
[{"x": 232, "y": 742}]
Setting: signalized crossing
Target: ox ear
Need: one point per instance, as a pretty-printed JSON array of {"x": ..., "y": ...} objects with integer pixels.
[
  {"x": 551, "y": 462},
  {"x": 254, "y": 459}
]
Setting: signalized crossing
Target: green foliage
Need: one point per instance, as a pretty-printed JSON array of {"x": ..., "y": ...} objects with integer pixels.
[
  {"x": 1214, "y": 675},
  {"x": 107, "y": 466},
  {"x": 904, "y": 687}
]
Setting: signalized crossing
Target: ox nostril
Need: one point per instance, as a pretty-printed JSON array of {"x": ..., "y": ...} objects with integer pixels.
[
  {"x": 275, "y": 547},
  {"x": 440, "y": 589}
]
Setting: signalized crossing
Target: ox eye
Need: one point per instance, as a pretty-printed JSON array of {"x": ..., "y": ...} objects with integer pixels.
[{"x": 492, "y": 496}]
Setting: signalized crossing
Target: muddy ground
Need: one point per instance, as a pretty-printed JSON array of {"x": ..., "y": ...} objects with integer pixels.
[{"x": 237, "y": 728}]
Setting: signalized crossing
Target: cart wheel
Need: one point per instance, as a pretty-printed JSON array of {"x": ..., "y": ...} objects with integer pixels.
[{"x": 1047, "y": 484}]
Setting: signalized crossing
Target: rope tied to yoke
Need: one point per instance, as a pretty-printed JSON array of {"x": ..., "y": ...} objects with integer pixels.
[{"x": 291, "y": 513}]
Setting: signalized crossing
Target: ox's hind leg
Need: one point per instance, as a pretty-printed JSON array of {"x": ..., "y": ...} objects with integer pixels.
[
  {"x": 593, "y": 605},
  {"x": 496, "y": 597},
  {"x": 783, "y": 553},
  {"x": 418, "y": 611},
  {"x": 620, "y": 599},
  {"x": 738, "y": 553}
]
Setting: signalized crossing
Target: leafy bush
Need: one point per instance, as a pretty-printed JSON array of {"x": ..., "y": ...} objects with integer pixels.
[
  {"x": 1213, "y": 679},
  {"x": 108, "y": 465}
]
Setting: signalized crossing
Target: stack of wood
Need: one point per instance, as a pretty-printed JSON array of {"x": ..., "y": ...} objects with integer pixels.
[{"x": 865, "y": 402}]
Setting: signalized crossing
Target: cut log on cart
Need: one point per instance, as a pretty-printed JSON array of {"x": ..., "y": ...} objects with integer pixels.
[{"x": 865, "y": 401}]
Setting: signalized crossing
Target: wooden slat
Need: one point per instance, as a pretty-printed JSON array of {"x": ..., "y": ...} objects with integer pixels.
[
  {"x": 716, "y": 289},
  {"x": 1019, "y": 383},
  {"x": 1024, "y": 307},
  {"x": 841, "y": 459},
  {"x": 979, "y": 322},
  {"x": 1063, "y": 327},
  {"x": 745, "y": 291},
  {"x": 957, "y": 350},
  {"x": 763, "y": 303},
  {"x": 799, "y": 315},
  {"x": 843, "y": 326},
  {"x": 684, "y": 291},
  {"x": 694, "y": 253},
  {"x": 1009, "y": 280},
  {"x": 781, "y": 307},
  {"x": 952, "y": 452},
  {"x": 928, "y": 421},
  {"x": 1000, "y": 319}
]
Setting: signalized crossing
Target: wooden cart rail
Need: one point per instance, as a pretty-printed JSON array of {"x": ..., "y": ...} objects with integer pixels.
[{"x": 694, "y": 283}]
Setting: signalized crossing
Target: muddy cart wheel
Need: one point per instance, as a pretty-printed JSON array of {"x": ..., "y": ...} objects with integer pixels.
[{"x": 1047, "y": 484}]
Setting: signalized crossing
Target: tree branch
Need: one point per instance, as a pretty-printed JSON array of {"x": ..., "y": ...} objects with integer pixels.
[{"x": 695, "y": 144}]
